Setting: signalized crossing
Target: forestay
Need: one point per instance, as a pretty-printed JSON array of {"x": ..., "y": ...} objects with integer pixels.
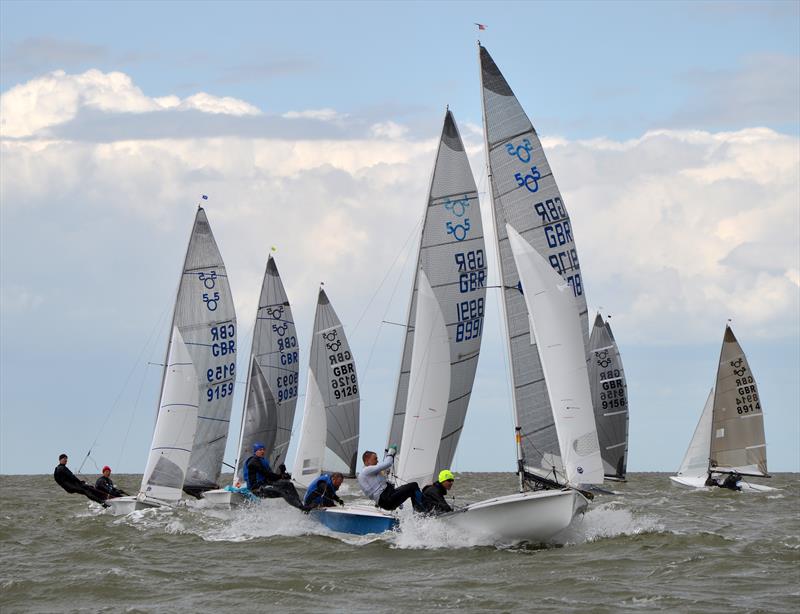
[
  {"x": 695, "y": 461},
  {"x": 429, "y": 385},
  {"x": 205, "y": 316},
  {"x": 609, "y": 398},
  {"x": 452, "y": 256},
  {"x": 557, "y": 331},
  {"x": 333, "y": 383},
  {"x": 175, "y": 426},
  {"x": 525, "y": 195},
  {"x": 272, "y": 380},
  {"x": 737, "y": 438}
]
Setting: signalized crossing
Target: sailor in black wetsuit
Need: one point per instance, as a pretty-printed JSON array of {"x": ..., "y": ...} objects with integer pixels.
[
  {"x": 105, "y": 484},
  {"x": 265, "y": 483},
  {"x": 433, "y": 494},
  {"x": 67, "y": 480},
  {"x": 731, "y": 481}
]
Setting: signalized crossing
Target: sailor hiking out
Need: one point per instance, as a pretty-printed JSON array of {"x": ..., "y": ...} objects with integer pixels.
[
  {"x": 322, "y": 491},
  {"x": 433, "y": 495},
  {"x": 265, "y": 483},
  {"x": 105, "y": 484},
  {"x": 69, "y": 482},
  {"x": 375, "y": 485}
]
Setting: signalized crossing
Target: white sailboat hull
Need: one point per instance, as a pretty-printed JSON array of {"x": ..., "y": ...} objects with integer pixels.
[
  {"x": 223, "y": 498},
  {"x": 121, "y": 506},
  {"x": 531, "y": 516},
  {"x": 701, "y": 483}
]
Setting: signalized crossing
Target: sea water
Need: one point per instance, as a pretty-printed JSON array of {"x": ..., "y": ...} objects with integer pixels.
[{"x": 653, "y": 546}]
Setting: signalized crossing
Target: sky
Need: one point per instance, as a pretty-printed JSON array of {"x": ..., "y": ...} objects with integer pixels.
[{"x": 673, "y": 130}]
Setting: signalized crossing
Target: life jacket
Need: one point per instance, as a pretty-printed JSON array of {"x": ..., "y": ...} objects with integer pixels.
[
  {"x": 312, "y": 500},
  {"x": 253, "y": 485}
]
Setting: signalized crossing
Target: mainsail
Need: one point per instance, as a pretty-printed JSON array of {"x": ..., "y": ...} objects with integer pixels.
[
  {"x": 175, "y": 426},
  {"x": 557, "y": 330},
  {"x": 272, "y": 380},
  {"x": 452, "y": 257},
  {"x": 525, "y": 195},
  {"x": 204, "y": 315},
  {"x": 332, "y": 385},
  {"x": 609, "y": 398},
  {"x": 737, "y": 437},
  {"x": 695, "y": 461}
]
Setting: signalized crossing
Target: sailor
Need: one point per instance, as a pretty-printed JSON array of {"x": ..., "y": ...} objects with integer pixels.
[
  {"x": 105, "y": 484},
  {"x": 711, "y": 480},
  {"x": 67, "y": 480},
  {"x": 433, "y": 494},
  {"x": 322, "y": 491},
  {"x": 265, "y": 483},
  {"x": 732, "y": 481},
  {"x": 375, "y": 486}
]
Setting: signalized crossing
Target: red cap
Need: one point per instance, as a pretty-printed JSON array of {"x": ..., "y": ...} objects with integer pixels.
[{"x": 106, "y": 468}]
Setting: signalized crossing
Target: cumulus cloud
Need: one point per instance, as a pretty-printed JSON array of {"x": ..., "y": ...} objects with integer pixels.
[
  {"x": 53, "y": 99},
  {"x": 676, "y": 230}
]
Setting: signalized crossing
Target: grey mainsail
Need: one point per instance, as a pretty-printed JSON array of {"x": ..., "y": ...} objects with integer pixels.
[
  {"x": 609, "y": 398},
  {"x": 333, "y": 369},
  {"x": 272, "y": 380},
  {"x": 737, "y": 432},
  {"x": 525, "y": 195},
  {"x": 452, "y": 255},
  {"x": 204, "y": 315}
]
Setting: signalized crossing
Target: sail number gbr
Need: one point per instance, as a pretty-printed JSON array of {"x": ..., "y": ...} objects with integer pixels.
[
  {"x": 343, "y": 383},
  {"x": 471, "y": 270},
  {"x": 747, "y": 400}
]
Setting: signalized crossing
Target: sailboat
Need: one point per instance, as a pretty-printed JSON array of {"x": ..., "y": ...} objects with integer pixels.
[
  {"x": 272, "y": 385},
  {"x": 443, "y": 335},
  {"x": 609, "y": 398},
  {"x": 445, "y": 319},
  {"x": 329, "y": 433},
  {"x": 546, "y": 327},
  {"x": 197, "y": 383},
  {"x": 729, "y": 436}
]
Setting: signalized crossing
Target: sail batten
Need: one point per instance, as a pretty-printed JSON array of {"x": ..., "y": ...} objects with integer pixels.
[{"x": 452, "y": 257}]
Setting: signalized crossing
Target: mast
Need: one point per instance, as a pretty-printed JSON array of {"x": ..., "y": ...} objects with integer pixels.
[{"x": 517, "y": 427}]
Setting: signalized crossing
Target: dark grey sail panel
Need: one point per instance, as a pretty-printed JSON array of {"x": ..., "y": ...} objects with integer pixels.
[
  {"x": 525, "y": 195},
  {"x": 334, "y": 370},
  {"x": 452, "y": 254},
  {"x": 205, "y": 316},
  {"x": 737, "y": 434},
  {"x": 609, "y": 398},
  {"x": 272, "y": 391}
]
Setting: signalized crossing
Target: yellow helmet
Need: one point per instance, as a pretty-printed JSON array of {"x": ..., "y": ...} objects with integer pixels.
[{"x": 446, "y": 474}]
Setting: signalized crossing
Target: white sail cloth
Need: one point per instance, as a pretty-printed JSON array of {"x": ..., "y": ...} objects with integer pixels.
[
  {"x": 333, "y": 386},
  {"x": 695, "y": 461},
  {"x": 175, "y": 426},
  {"x": 556, "y": 327},
  {"x": 429, "y": 387}
]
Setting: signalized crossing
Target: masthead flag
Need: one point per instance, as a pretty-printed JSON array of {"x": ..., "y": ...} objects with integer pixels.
[{"x": 480, "y": 25}]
